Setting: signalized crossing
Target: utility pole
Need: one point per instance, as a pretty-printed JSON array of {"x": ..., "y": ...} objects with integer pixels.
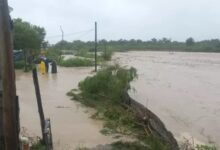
[
  {"x": 9, "y": 121},
  {"x": 95, "y": 46},
  {"x": 61, "y": 29},
  {"x": 105, "y": 49}
]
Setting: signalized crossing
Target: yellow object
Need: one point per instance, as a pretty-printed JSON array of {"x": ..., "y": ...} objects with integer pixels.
[{"x": 42, "y": 67}]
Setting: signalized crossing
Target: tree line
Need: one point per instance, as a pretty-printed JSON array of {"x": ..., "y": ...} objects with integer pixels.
[
  {"x": 31, "y": 38},
  {"x": 164, "y": 44}
]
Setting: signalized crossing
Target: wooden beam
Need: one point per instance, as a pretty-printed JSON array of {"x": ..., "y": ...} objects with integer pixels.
[{"x": 9, "y": 109}]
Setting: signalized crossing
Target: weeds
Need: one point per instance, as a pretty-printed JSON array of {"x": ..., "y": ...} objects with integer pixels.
[
  {"x": 38, "y": 146},
  {"x": 107, "y": 55},
  {"x": 105, "y": 92},
  {"x": 76, "y": 62}
]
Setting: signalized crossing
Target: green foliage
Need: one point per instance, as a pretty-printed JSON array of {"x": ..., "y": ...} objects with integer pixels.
[
  {"x": 163, "y": 44},
  {"x": 76, "y": 62},
  {"x": 55, "y": 55},
  {"x": 107, "y": 55},
  {"x": 19, "y": 64},
  {"x": 105, "y": 92},
  {"x": 205, "y": 147},
  {"x": 110, "y": 82},
  {"x": 190, "y": 41},
  {"x": 38, "y": 146},
  {"x": 128, "y": 146},
  {"x": 27, "y": 36}
]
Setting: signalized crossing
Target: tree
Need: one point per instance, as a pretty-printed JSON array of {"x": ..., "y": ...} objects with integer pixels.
[
  {"x": 28, "y": 37},
  {"x": 190, "y": 41}
]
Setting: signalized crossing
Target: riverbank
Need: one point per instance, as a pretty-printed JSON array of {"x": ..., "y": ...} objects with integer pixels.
[{"x": 106, "y": 91}]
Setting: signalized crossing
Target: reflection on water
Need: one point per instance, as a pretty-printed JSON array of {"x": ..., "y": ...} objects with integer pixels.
[
  {"x": 181, "y": 88},
  {"x": 71, "y": 125}
]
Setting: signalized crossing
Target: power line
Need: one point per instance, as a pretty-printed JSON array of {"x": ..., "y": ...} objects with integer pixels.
[
  {"x": 69, "y": 34},
  {"x": 84, "y": 34},
  {"x": 62, "y": 32}
]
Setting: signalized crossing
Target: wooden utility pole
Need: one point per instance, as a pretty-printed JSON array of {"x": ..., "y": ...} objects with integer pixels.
[
  {"x": 39, "y": 104},
  {"x": 95, "y": 46},
  {"x": 105, "y": 49},
  {"x": 9, "y": 107},
  {"x": 61, "y": 29}
]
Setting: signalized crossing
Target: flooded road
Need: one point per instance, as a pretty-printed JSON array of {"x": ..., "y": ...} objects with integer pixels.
[
  {"x": 71, "y": 125},
  {"x": 183, "y": 89}
]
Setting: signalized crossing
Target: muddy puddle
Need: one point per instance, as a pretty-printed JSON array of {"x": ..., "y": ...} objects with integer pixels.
[
  {"x": 72, "y": 126},
  {"x": 181, "y": 88}
]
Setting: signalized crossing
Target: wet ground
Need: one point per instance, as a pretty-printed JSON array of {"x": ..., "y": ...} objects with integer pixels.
[
  {"x": 72, "y": 126},
  {"x": 183, "y": 89}
]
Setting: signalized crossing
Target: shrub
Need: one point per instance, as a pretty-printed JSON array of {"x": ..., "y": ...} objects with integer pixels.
[
  {"x": 76, "y": 62},
  {"x": 19, "y": 64},
  {"x": 54, "y": 55},
  {"x": 38, "y": 146},
  {"x": 205, "y": 147},
  {"x": 107, "y": 55},
  {"x": 104, "y": 92},
  {"x": 110, "y": 82}
]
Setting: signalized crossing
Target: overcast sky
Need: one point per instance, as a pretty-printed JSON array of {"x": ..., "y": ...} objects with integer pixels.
[{"x": 122, "y": 19}]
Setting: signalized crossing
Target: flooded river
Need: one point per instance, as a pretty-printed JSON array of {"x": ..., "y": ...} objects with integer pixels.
[
  {"x": 183, "y": 89},
  {"x": 72, "y": 126}
]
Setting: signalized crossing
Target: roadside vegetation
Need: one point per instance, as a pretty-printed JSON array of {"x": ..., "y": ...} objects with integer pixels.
[
  {"x": 19, "y": 64},
  {"x": 76, "y": 62},
  {"x": 105, "y": 92}
]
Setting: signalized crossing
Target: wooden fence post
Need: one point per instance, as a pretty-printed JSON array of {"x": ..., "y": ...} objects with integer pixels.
[{"x": 39, "y": 104}]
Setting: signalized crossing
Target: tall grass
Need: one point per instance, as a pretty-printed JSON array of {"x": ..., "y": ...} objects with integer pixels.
[
  {"x": 104, "y": 92},
  {"x": 76, "y": 62},
  {"x": 107, "y": 55}
]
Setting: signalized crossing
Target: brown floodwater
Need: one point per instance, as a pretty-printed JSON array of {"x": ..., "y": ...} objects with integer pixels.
[
  {"x": 72, "y": 126},
  {"x": 183, "y": 89}
]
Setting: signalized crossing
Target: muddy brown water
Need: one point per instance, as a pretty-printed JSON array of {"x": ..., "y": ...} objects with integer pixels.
[
  {"x": 183, "y": 89},
  {"x": 72, "y": 126}
]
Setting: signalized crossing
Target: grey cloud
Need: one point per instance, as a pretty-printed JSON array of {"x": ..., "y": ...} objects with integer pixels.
[{"x": 140, "y": 19}]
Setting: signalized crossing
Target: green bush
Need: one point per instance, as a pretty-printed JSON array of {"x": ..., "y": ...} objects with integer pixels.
[
  {"x": 107, "y": 55},
  {"x": 110, "y": 82},
  {"x": 19, "y": 64},
  {"x": 54, "y": 55},
  {"x": 38, "y": 146},
  {"x": 205, "y": 147},
  {"x": 76, "y": 62},
  {"x": 104, "y": 92}
]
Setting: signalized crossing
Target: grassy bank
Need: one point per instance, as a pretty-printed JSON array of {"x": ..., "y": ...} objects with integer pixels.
[
  {"x": 104, "y": 92},
  {"x": 76, "y": 62}
]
